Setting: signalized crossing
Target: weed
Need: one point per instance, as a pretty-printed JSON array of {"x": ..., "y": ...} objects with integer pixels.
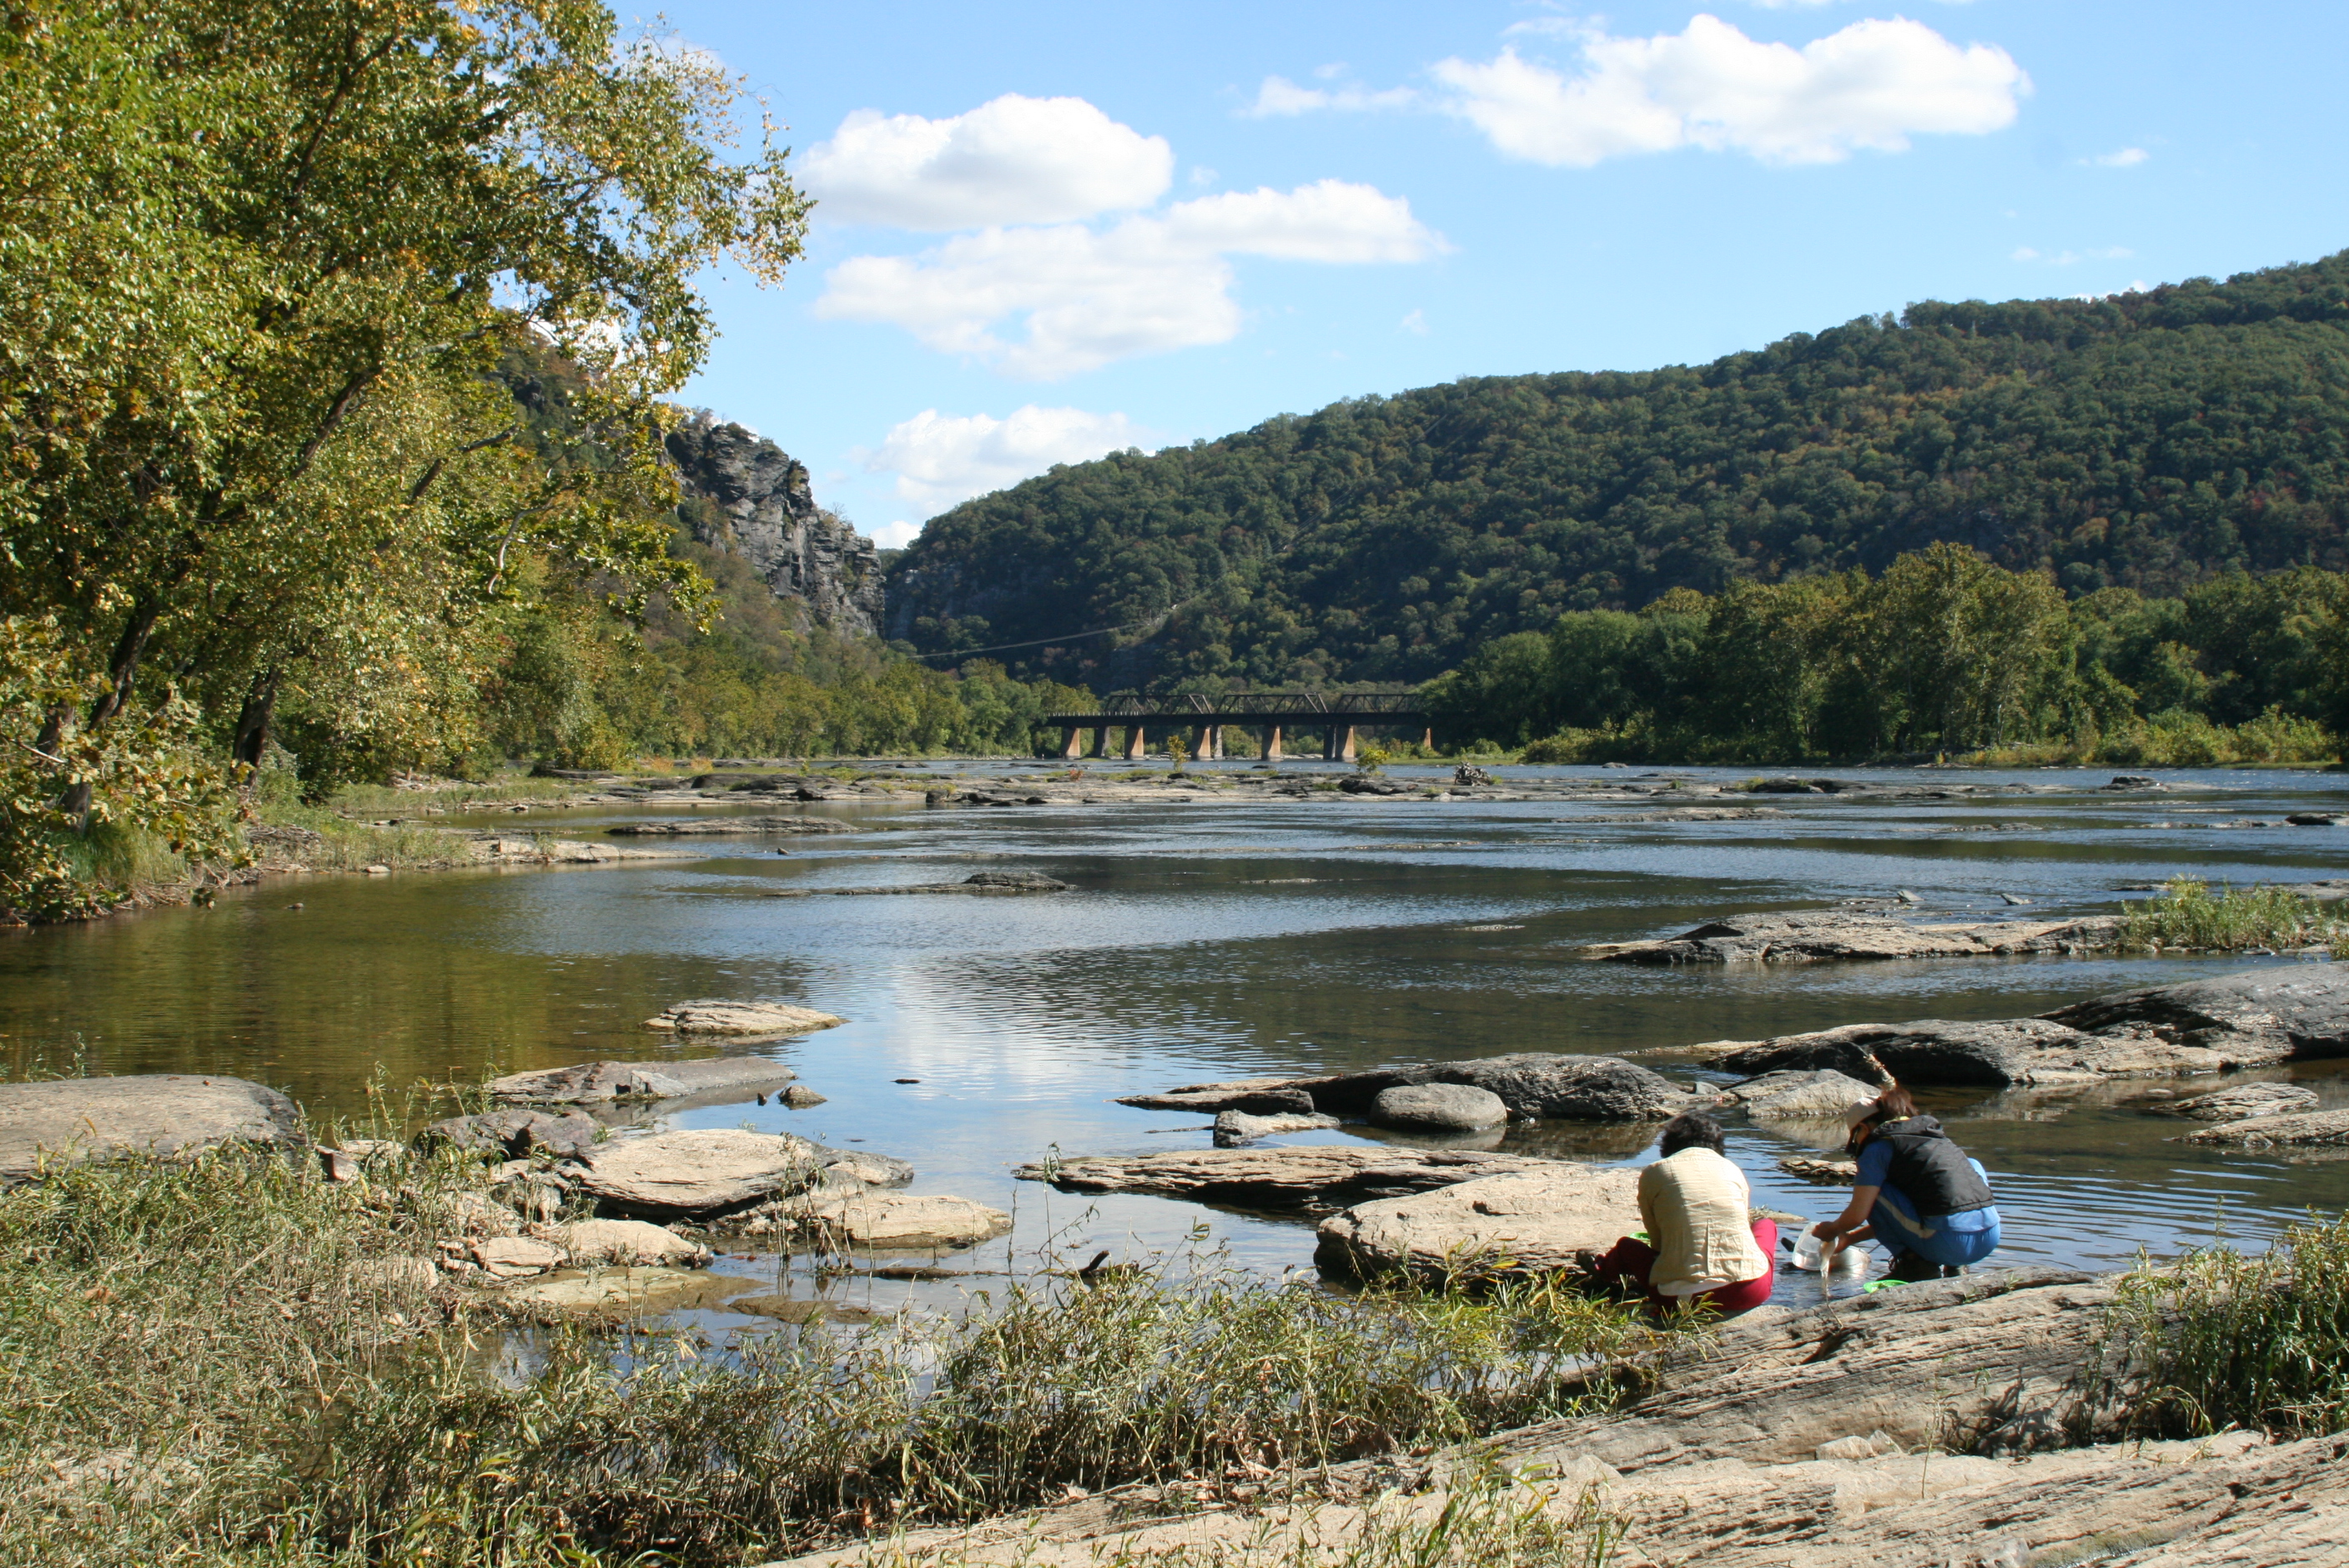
[{"x": 2190, "y": 914}]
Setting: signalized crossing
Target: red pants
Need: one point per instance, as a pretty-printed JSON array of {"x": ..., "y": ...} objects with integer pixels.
[{"x": 1630, "y": 1259}]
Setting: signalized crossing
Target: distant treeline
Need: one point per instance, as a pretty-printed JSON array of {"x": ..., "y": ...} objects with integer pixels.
[{"x": 1944, "y": 653}]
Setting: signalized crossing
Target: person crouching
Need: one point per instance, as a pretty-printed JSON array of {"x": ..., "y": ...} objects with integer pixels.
[
  {"x": 1915, "y": 1190},
  {"x": 1703, "y": 1247}
]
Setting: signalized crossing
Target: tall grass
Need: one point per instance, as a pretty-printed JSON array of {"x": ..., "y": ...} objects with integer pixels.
[
  {"x": 2225, "y": 1340},
  {"x": 2190, "y": 914},
  {"x": 207, "y": 1363}
]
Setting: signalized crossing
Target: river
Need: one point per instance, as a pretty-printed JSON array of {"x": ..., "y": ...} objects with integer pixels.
[{"x": 1206, "y": 940}]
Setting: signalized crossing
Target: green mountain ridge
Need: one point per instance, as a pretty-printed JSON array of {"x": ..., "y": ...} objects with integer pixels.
[{"x": 2148, "y": 440}]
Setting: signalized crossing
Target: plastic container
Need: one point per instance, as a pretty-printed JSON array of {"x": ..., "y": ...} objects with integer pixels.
[{"x": 1807, "y": 1250}]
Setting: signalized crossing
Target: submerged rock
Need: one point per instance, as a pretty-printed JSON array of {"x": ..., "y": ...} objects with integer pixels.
[
  {"x": 1439, "y": 1107},
  {"x": 718, "y": 1016},
  {"x": 596, "y": 1083},
  {"x": 67, "y": 1120},
  {"x": 1278, "y": 1178},
  {"x": 982, "y": 882},
  {"x": 1237, "y": 1128},
  {"x": 1813, "y": 936},
  {"x": 2242, "y": 1100},
  {"x": 1526, "y": 1222}
]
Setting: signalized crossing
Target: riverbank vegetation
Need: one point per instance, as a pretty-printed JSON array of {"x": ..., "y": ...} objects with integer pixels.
[
  {"x": 229, "y": 1360},
  {"x": 2189, "y": 915},
  {"x": 1945, "y": 655}
]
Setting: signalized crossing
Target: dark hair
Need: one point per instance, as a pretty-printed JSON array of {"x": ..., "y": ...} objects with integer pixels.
[
  {"x": 1892, "y": 1105},
  {"x": 1691, "y": 1131}
]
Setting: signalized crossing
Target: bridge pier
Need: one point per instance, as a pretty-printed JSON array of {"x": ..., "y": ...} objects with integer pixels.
[
  {"x": 1101, "y": 741},
  {"x": 1074, "y": 744},
  {"x": 1339, "y": 746},
  {"x": 1272, "y": 752},
  {"x": 1137, "y": 743},
  {"x": 1211, "y": 743}
]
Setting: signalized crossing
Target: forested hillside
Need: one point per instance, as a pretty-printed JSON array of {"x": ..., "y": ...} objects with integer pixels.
[{"x": 2148, "y": 441}]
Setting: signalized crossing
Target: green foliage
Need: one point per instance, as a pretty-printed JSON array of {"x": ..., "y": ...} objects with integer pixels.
[
  {"x": 2226, "y": 1340},
  {"x": 2146, "y": 442},
  {"x": 2188, "y": 915},
  {"x": 1944, "y": 654}
]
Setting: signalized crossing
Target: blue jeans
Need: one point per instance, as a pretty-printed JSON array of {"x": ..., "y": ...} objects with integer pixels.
[{"x": 1896, "y": 1224}]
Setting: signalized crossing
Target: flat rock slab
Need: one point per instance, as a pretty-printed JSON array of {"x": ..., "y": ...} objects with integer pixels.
[
  {"x": 718, "y": 1017},
  {"x": 630, "y": 1244},
  {"x": 1818, "y": 1093},
  {"x": 1278, "y": 1177},
  {"x": 2009, "y": 1052},
  {"x": 1821, "y": 936},
  {"x": 2242, "y": 1100},
  {"x": 983, "y": 883},
  {"x": 1237, "y": 1128},
  {"x": 601, "y": 1083},
  {"x": 1820, "y": 1171},
  {"x": 2271, "y": 1014},
  {"x": 1534, "y": 1086},
  {"x": 704, "y": 1170},
  {"x": 712, "y": 827},
  {"x": 2272, "y": 1131},
  {"x": 1533, "y": 1222},
  {"x": 897, "y": 1221},
  {"x": 73, "y": 1119}
]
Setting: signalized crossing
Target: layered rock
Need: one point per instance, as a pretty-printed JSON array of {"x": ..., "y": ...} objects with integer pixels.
[
  {"x": 1534, "y": 1086},
  {"x": 1237, "y": 1128},
  {"x": 1278, "y": 1177},
  {"x": 719, "y": 1016},
  {"x": 2242, "y": 1100},
  {"x": 1793, "y": 1096},
  {"x": 2279, "y": 1011},
  {"x": 903, "y": 1221},
  {"x": 2314, "y": 1127},
  {"x": 67, "y": 1120},
  {"x": 1813, "y": 936},
  {"x": 599, "y": 1083},
  {"x": 747, "y": 498},
  {"x": 707, "y": 1171},
  {"x": 1526, "y": 1222}
]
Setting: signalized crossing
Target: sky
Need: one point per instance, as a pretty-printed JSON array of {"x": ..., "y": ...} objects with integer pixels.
[{"x": 1046, "y": 232}]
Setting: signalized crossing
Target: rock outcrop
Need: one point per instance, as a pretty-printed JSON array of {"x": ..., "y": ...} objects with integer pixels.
[
  {"x": 2033, "y": 1052},
  {"x": 2278, "y": 1011},
  {"x": 717, "y": 1016},
  {"x": 2245, "y": 1099},
  {"x": 747, "y": 498},
  {"x": 1534, "y": 1086},
  {"x": 1813, "y": 936},
  {"x": 602, "y": 1083},
  {"x": 67, "y": 1120},
  {"x": 1328, "y": 1175},
  {"x": 2314, "y": 1127},
  {"x": 706, "y": 1171},
  {"x": 1528, "y": 1222},
  {"x": 1439, "y": 1107}
]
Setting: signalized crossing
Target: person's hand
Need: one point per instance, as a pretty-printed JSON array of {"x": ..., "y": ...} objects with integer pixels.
[{"x": 1824, "y": 1229}]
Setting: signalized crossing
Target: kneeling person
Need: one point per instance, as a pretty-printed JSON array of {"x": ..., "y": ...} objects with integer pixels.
[
  {"x": 1704, "y": 1245},
  {"x": 1915, "y": 1192}
]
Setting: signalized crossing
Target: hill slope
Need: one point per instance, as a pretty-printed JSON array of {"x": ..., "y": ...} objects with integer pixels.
[{"x": 2148, "y": 440}]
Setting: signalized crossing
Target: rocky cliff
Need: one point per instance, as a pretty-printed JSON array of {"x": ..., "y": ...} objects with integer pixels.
[{"x": 746, "y": 496}]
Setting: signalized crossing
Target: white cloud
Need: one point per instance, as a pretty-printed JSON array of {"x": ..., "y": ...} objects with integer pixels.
[
  {"x": 2127, "y": 157},
  {"x": 1416, "y": 322},
  {"x": 942, "y": 458},
  {"x": 2071, "y": 258},
  {"x": 896, "y": 535},
  {"x": 1871, "y": 86},
  {"x": 1013, "y": 160},
  {"x": 1146, "y": 285},
  {"x": 1279, "y": 96}
]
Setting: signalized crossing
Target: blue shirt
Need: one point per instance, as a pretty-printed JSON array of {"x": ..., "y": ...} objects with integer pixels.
[{"x": 1876, "y": 1168}]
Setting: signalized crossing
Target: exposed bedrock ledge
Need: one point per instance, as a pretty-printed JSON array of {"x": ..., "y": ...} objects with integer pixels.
[
  {"x": 68, "y": 1120},
  {"x": 1534, "y": 1086},
  {"x": 592, "y": 1083},
  {"x": 1816, "y": 936},
  {"x": 1318, "y": 1176}
]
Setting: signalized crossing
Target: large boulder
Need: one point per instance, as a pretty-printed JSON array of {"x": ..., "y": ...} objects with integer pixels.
[
  {"x": 901, "y": 1222},
  {"x": 706, "y": 1171},
  {"x": 1320, "y": 1174},
  {"x": 1812, "y": 936},
  {"x": 720, "y": 1017},
  {"x": 1799, "y": 1095},
  {"x": 602, "y": 1083},
  {"x": 630, "y": 1243},
  {"x": 515, "y": 1133},
  {"x": 2006, "y": 1052},
  {"x": 2269, "y": 1014},
  {"x": 1526, "y": 1222},
  {"x": 67, "y": 1120},
  {"x": 1439, "y": 1107}
]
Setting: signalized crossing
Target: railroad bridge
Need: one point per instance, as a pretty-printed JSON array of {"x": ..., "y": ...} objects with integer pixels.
[{"x": 1274, "y": 715}]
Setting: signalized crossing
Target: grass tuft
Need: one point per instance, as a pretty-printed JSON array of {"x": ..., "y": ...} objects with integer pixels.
[{"x": 2190, "y": 914}]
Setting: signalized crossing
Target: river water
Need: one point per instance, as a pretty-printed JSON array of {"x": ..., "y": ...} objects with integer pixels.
[{"x": 1206, "y": 941}]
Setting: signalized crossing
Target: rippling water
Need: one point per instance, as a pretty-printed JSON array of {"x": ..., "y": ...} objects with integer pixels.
[{"x": 1205, "y": 941}]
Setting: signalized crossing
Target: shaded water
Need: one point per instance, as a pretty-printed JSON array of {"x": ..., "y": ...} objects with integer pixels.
[{"x": 1211, "y": 940}]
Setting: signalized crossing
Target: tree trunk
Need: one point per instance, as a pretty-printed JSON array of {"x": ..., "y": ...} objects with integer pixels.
[{"x": 254, "y": 720}]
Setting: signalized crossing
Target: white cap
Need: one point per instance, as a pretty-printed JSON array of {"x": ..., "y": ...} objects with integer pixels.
[{"x": 1858, "y": 1111}]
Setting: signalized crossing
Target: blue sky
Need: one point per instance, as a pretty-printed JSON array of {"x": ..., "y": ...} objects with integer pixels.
[{"x": 1050, "y": 230}]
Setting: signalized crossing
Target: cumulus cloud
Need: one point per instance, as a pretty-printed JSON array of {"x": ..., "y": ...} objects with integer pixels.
[
  {"x": 1279, "y": 96},
  {"x": 942, "y": 458},
  {"x": 1871, "y": 86},
  {"x": 1147, "y": 284},
  {"x": 1013, "y": 160}
]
